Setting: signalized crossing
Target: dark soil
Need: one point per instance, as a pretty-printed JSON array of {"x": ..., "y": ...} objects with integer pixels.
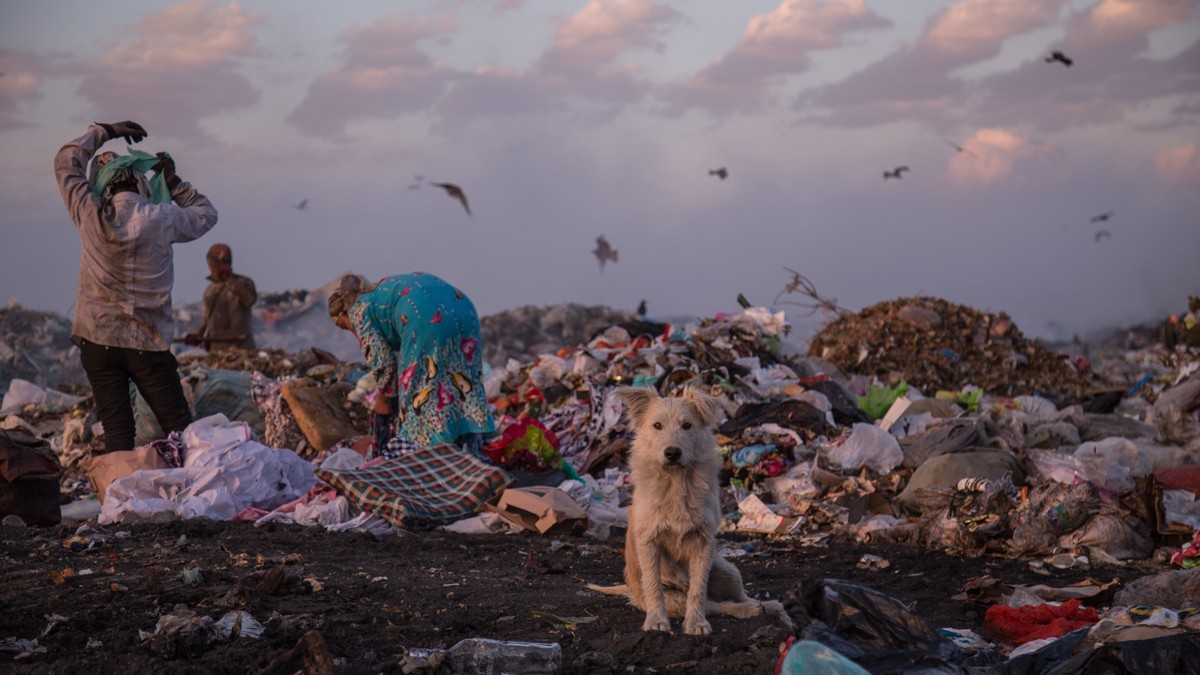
[{"x": 372, "y": 598}]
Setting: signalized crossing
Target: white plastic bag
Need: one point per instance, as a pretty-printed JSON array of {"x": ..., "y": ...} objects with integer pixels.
[{"x": 868, "y": 446}]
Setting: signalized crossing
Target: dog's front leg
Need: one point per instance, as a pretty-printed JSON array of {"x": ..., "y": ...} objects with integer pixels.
[
  {"x": 649, "y": 558},
  {"x": 695, "y": 621}
]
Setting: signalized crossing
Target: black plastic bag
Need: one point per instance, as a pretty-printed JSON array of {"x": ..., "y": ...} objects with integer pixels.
[{"x": 877, "y": 631}]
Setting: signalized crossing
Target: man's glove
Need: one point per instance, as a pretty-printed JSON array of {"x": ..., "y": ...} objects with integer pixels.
[
  {"x": 166, "y": 166},
  {"x": 132, "y": 132}
]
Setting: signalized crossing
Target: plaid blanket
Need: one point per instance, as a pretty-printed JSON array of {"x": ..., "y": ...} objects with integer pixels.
[{"x": 422, "y": 489}]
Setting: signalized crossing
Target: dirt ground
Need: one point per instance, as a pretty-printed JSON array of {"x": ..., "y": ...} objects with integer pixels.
[{"x": 371, "y": 598}]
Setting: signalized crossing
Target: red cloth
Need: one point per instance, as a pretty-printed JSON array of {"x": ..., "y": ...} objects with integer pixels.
[
  {"x": 1186, "y": 477},
  {"x": 1018, "y": 625}
]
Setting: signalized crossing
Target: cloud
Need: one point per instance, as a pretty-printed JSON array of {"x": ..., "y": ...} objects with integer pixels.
[
  {"x": 995, "y": 155},
  {"x": 1180, "y": 164},
  {"x": 1110, "y": 78},
  {"x": 774, "y": 45},
  {"x": 20, "y": 86},
  {"x": 179, "y": 67},
  {"x": 382, "y": 74},
  {"x": 385, "y": 74},
  {"x": 916, "y": 80}
]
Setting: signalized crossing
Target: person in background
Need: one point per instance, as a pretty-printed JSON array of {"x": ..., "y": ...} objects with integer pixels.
[
  {"x": 127, "y": 225},
  {"x": 420, "y": 337},
  {"x": 227, "y": 303}
]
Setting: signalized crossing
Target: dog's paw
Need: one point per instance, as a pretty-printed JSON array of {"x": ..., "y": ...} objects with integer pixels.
[
  {"x": 699, "y": 626},
  {"x": 656, "y": 623}
]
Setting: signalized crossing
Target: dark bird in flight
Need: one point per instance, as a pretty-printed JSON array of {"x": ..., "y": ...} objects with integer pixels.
[
  {"x": 721, "y": 173},
  {"x": 302, "y": 205},
  {"x": 604, "y": 252},
  {"x": 1100, "y": 234},
  {"x": 895, "y": 173},
  {"x": 743, "y": 301},
  {"x": 455, "y": 192},
  {"x": 641, "y": 309},
  {"x": 417, "y": 180},
  {"x": 960, "y": 149},
  {"x": 1060, "y": 57},
  {"x": 1103, "y": 217}
]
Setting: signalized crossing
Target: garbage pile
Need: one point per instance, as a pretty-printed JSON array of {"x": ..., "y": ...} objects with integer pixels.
[
  {"x": 939, "y": 426},
  {"x": 36, "y": 346},
  {"x": 936, "y": 345},
  {"x": 524, "y": 332}
]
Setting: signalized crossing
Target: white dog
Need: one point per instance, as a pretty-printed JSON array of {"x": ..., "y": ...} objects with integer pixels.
[{"x": 671, "y": 564}]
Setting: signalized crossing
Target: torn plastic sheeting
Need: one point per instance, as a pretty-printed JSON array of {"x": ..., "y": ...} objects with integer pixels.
[
  {"x": 23, "y": 392},
  {"x": 807, "y": 657},
  {"x": 189, "y": 493},
  {"x": 876, "y": 631},
  {"x": 267, "y": 477},
  {"x": 1113, "y": 463},
  {"x": 1073, "y": 654}
]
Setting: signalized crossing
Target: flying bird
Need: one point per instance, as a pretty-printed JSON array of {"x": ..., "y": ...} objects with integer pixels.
[
  {"x": 960, "y": 149},
  {"x": 1103, "y": 217},
  {"x": 302, "y": 205},
  {"x": 721, "y": 173},
  {"x": 641, "y": 309},
  {"x": 455, "y": 192},
  {"x": 895, "y": 173},
  {"x": 417, "y": 180},
  {"x": 604, "y": 252},
  {"x": 1100, "y": 234},
  {"x": 1060, "y": 57}
]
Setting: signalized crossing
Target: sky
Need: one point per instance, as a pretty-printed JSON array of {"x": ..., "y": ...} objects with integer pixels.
[{"x": 565, "y": 120}]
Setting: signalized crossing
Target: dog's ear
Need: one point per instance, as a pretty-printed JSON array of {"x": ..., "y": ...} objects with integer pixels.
[
  {"x": 705, "y": 405},
  {"x": 637, "y": 400}
]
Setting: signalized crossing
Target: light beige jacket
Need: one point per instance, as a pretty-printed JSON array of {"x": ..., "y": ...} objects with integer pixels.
[{"x": 126, "y": 266}]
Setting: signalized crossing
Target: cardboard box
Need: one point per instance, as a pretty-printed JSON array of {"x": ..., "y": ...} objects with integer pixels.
[
  {"x": 540, "y": 509},
  {"x": 110, "y": 466}
]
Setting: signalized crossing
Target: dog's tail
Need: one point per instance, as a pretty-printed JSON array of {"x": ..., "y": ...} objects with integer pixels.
[{"x": 621, "y": 589}]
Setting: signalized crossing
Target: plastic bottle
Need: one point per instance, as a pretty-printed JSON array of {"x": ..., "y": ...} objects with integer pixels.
[{"x": 480, "y": 656}]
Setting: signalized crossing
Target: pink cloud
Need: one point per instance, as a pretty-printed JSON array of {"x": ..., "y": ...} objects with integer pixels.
[
  {"x": 975, "y": 29},
  {"x": 179, "y": 67},
  {"x": 1179, "y": 165},
  {"x": 383, "y": 74},
  {"x": 775, "y": 44},
  {"x": 582, "y": 63},
  {"x": 1111, "y": 75},
  {"x": 20, "y": 86},
  {"x": 915, "y": 81},
  {"x": 994, "y": 156}
]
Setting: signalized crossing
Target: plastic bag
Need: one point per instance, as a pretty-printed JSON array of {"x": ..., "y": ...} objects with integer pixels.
[
  {"x": 869, "y": 446},
  {"x": 807, "y": 657},
  {"x": 875, "y": 630},
  {"x": 879, "y": 398}
]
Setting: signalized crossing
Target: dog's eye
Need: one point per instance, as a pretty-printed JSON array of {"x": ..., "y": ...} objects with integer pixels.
[
  {"x": 658, "y": 426},
  {"x": 686, "y": 426}
]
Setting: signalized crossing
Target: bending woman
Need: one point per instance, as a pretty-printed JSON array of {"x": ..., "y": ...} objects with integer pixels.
[{"x": 420, "y": 337}]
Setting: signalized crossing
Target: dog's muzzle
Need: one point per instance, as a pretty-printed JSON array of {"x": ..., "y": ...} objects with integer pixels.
[{"x": 672, "y": 454}]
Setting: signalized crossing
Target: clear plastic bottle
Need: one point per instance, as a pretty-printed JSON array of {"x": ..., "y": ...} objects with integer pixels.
[{"x": 480, "y": 656}]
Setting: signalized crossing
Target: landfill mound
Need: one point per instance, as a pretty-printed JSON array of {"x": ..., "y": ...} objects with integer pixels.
[
  {"x": 36, "y": 346},
  {"x": 933, "y": 344},
  {"x": 524, "y": 332}
]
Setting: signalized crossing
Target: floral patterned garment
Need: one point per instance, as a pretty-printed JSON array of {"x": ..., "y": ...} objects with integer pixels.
[{"x": 420, "y": 337}]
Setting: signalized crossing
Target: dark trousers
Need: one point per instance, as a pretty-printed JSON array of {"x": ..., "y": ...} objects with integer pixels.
[{"x": 156, "y": 375}]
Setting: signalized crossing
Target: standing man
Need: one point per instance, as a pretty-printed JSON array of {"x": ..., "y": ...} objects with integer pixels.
[
  {"x": 127, "y": 225},
  {"x": 227, "y": 303}
]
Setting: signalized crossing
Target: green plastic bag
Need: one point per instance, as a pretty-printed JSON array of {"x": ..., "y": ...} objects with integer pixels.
[{"x": 879, "y": 398}]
